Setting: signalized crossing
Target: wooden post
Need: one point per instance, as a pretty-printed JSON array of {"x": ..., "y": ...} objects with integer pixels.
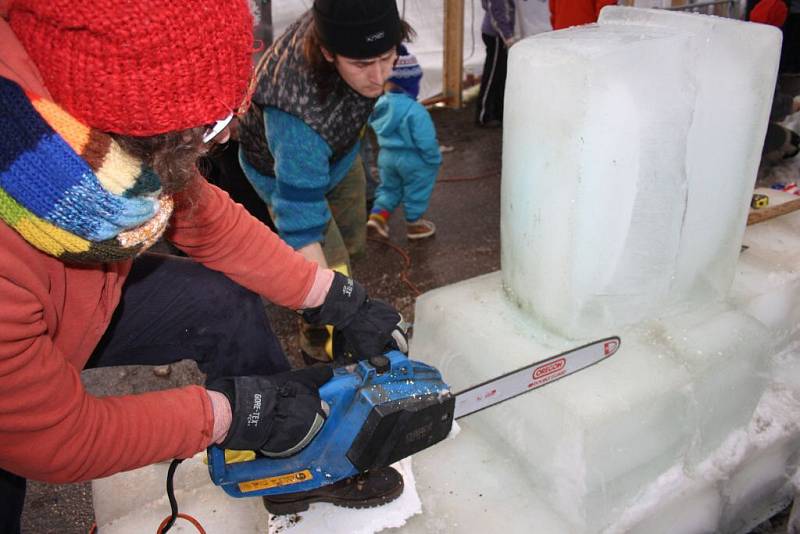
[{"x": 453, "y": 71}]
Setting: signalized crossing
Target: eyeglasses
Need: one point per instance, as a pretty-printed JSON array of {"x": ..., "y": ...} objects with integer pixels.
[{"x": 214, "y": 130}]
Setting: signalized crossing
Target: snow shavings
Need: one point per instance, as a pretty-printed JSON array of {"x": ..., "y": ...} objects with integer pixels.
[
  {"x": 330, "y": 519},
  {"x": 774, "y": 419}
]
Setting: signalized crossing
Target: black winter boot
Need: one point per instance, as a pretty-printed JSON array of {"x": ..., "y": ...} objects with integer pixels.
[{"x": 374, "y": 488}]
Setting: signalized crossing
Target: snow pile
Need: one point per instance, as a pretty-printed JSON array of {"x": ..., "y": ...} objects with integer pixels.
[{"x": 750, "y": 465}]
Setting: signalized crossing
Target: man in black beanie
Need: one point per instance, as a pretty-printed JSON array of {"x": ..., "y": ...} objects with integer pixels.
[
  {"x": 316, "y": 86},
  {"x": 357, "y": 29}
]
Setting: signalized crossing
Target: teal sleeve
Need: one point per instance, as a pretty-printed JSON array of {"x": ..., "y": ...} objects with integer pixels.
[{"x": 302, "y": 178}]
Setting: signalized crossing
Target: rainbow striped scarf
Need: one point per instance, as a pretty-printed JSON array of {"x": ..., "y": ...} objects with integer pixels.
[{"x": 70, "y": 190}]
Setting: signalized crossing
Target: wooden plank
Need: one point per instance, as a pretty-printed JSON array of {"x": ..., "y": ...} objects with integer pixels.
[
  {"x": 770, "y": 212},
  {"x": 453, "y": 71}
]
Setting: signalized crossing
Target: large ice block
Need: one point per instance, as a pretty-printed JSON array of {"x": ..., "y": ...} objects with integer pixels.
[
  {"x": 630, "y": 152},
  {"x": 588, "y": 444}
]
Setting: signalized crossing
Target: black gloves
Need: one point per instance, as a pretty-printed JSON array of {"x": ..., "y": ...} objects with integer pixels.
[
  {"x": 276, "y": 415},
  {"x": 370, "y": 327}
]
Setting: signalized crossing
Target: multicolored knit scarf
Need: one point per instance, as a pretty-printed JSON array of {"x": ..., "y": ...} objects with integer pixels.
[{"x": 69, "y": 190}]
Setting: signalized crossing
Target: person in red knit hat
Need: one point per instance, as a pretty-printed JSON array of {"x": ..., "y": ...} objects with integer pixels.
[{"x": 105, "y": 107}]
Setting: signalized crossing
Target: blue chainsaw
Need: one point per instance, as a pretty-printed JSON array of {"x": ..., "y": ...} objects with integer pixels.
[{"x": 382, "y": 410}]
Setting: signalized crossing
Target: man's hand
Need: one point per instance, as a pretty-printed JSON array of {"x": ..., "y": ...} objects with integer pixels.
[
  {"x": 276, "y": 415},
  {"x": 370, "y": 326}
]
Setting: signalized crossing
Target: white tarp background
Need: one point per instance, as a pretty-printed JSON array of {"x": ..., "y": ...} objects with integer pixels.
[{"x": 427, "y": 19}]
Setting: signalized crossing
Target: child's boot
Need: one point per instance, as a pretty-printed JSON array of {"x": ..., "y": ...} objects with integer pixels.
[
  {"x": 378, "y": 223},
  {"x": 420, "y": 229}
]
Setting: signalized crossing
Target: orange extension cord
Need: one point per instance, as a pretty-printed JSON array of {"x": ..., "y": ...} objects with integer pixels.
[
  {"x": 406, "y": 263},
  {"x": 403, "y": 254}
]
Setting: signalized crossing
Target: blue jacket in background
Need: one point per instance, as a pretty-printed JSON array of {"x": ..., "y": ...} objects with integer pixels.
[
  {"x": 306, "y": 172},
  {"x": 402, "y": 123},
  {"x": 409, "y": 156}
]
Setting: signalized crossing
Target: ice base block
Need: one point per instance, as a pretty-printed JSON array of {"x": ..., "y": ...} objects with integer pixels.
[{"x": 680, "y": 427}]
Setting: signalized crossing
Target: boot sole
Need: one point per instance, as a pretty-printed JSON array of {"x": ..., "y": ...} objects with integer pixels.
[
  {"x": 295, "y": 507},
  {"x": 413, "y": 237}
]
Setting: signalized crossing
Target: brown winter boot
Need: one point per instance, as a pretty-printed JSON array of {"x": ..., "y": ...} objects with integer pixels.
[
  {"x": 420, "y": 229},
  {"x": 374, "y": 488}
]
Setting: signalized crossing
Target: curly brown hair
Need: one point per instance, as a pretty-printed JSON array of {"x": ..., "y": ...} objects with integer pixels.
[{"x": 172, "y": 155}]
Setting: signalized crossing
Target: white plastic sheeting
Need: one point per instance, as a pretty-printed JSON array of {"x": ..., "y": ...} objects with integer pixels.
[{"x": 427, "y": 19}]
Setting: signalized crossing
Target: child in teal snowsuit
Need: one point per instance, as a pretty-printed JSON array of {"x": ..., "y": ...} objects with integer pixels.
[{"x": 409, "y": 157}]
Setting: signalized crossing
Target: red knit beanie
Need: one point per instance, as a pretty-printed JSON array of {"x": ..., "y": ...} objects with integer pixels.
[
  {"x": 140, "y": 67},
  {"x": 772, "y": 12}
]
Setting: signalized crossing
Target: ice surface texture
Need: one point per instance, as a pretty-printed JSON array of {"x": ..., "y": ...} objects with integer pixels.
[
  {"x": 630, "y": 152},
  {"x": 588, "y": 445}
]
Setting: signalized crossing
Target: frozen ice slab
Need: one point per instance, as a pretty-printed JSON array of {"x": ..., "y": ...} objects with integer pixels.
[
  {"x": 767, "y": 283},
  {"x": 590, "y": 442},
  {"x": 726, "y": 352},
  {"x": 629, "y": 158},
  {"x": 742, "y": 482},
  {"x": 674, "y": 433},
  {"x": 471, "y": 484}
]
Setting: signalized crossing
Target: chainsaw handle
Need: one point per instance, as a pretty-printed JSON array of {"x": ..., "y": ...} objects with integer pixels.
[{"x": 352, "y": 394}]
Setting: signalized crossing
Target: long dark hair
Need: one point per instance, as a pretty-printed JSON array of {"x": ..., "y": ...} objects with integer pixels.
[{"x": 324, "y": 72}]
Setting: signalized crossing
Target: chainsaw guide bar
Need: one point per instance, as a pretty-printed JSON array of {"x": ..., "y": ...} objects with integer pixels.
[{"x": 533, "y": 376}]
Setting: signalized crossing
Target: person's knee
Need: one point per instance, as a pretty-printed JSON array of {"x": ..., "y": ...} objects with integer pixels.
[
  {"x": 231, "y": 301},
  {"x": 238, "y": 338}
]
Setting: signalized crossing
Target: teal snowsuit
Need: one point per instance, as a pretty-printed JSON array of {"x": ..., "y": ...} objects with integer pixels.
[{"x": 409, "y": 157}]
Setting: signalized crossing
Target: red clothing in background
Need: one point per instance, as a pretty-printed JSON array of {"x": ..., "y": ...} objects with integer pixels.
[{"x": 566, "y": 13}]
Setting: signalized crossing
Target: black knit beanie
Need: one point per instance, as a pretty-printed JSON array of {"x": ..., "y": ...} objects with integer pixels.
[{"x": 358, "y": 28}]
